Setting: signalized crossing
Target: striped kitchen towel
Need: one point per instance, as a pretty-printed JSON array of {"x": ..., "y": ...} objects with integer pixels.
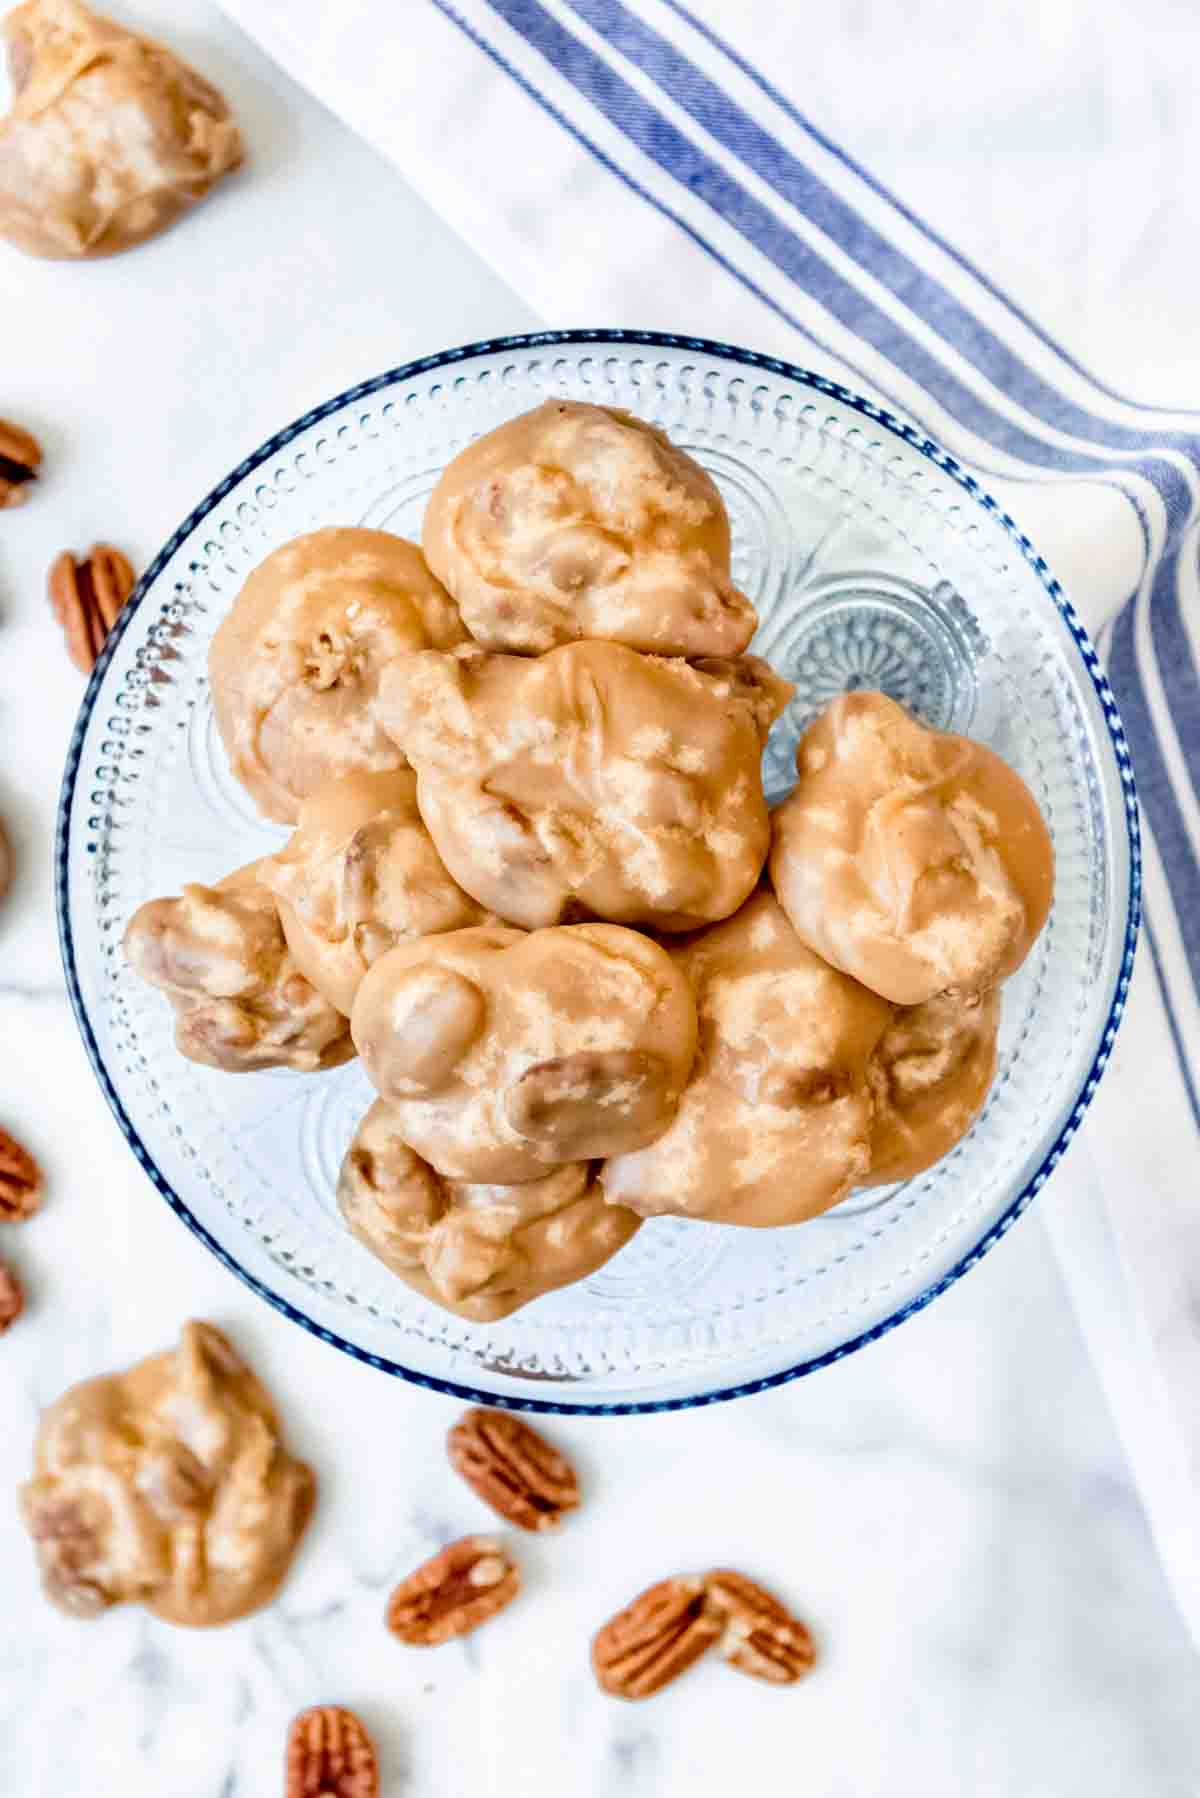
[{"x": 640, "y": 163}]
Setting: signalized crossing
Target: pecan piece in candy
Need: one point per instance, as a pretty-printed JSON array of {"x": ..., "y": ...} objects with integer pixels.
[{"x": 69, "y": 1543}]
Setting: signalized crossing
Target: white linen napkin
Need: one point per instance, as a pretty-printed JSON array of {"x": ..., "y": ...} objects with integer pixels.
[{"x": 637, "y": 163}]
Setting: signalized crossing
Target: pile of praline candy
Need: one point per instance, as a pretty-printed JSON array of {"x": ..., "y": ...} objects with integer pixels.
[{"x": 534, "y": 884}]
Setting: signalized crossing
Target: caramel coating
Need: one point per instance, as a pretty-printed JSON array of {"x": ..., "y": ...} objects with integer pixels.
[
  {"x": 580, "y": 521},
  {"x": 240, "y": 1001},
  {"x": 478, "y": 1250},
  {"x": 592, "y": 780},
  {"x": 295, "y": 665},
  {"x": 929, "y": 1075},
  {"x": 168, "y": 1486},
  {"x": 110, "y": 136},
  {"x": 359, "y": 875},
  {"x": 774, "y": 1125},
  {"x": 916, "y": 861},
  {"x": 503, "y": 1054}
]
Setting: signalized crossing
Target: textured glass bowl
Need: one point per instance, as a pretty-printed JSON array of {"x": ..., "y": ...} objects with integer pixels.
[{"x": 874, "y": 561}]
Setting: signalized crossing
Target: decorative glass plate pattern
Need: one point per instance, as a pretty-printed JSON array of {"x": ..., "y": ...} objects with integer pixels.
[{"x": 874, "y": 561}]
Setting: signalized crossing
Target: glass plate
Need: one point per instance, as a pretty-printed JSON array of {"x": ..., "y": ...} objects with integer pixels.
[{"x": 874, "y": 561}]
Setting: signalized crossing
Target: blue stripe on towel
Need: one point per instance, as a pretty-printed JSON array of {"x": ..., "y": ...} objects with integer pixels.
[
  {"x": 1176, "y": 496},
  {"x": 1156, "y": 791},
  {"x": 1181, "y": 1054},
  {"x": 573, "y": 131},
  {"x": 579, "y": 136},
  {"x": 1173, "y": 655},
  {"x": 717, "y": 113},
  {"x": 665, "y": 145},
  {"x": 926, "y": 230}
]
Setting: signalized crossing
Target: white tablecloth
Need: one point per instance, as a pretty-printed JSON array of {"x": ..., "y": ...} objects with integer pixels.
[{"x": 950, "y": 1508}]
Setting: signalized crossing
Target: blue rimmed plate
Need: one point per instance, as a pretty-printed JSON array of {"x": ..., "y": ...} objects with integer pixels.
[{"x": 874, "y": 560}]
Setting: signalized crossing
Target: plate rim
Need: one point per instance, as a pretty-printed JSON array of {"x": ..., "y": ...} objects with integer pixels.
[{"x": 885, "y": 420}]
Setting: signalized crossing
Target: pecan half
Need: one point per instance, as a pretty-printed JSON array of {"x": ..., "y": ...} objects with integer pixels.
[
  {"x": 68, "y": 1552},
  {"x": 453, "y": 1593},
  {"x": 330, "y": 1755},
  {"x": 12, "y": 1299},
  {"x": 20, "y": 459},
  {"x": 86, "y": 596},
  {"x": 655, "y": 1639},
  {"x": 567, "y": 1102},
  {"x": 513, "y": 1469},
  {"x": 20, "y": 1181},
  {"x": 760, "y": 1636},
  {"x": 174, "y": 1482}
]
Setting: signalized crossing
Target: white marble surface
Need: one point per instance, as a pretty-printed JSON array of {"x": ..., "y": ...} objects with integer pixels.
[{"x": 949, "y": 1508}]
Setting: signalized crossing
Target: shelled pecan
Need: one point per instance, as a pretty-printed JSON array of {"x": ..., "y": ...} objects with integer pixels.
[
  {"x": 86, "y": 595},
  {"x": 453, "y": 1593},
  {"x": 655, "y": 1638},
  {"x": 513, "y": 1469},
  {"x": 20, "y": 1181},
  {"x": 12, "y": 1298},
  {"x": 330, "y": 1755},
  {"x": 760, "y": 1637},
  {"x": 20, "y": 459}
]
